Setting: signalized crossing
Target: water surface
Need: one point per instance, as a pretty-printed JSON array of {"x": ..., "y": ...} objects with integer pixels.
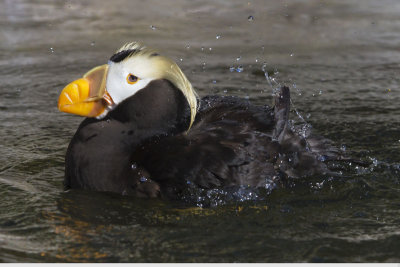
[{"x": 341, "y": 60}]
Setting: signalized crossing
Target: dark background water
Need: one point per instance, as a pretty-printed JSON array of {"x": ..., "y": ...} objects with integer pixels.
[{"x": 341, "y": 60}]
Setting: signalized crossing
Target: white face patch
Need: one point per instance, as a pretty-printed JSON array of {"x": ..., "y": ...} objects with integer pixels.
[
  {"x": 147, "y": 65},
  {"x": 117, "y": 85}
]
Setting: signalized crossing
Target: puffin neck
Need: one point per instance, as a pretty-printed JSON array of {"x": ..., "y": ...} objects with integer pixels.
[{"x": 159, "y": 108}]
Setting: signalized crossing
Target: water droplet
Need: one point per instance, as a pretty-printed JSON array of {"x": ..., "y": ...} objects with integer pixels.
[
  {"x": 343, "y": 148},
  {"x": 51, "y": 49},
  {"x": 187, "y": 46},
  {"x": 143, "y": 179},
  {"x": 153, "y": 27},
  {"x": 232, "y": 69},
  {"x": 320, "y": 92},
  {"x": 202, "y": 48},
  {"x": 264, "y": 68},
  {"x": 181, "y": 59},
  {"x": 93, "y": 43},
  {"x": 250, "y": 18},
  {"x": 320, "y": 185},
  {"x": 133, "y": 166},
  {"x": 291, "y": 54},
  {"x": 238, "y": 58},
  {"x": 239, "y": 69},
  {"x": 210, "y": 48},
  {"x": 218, "y": 36},
  {"x": 256, "y": 60},
  {"x": 226, "y": 91},
  {"x": 214, "y": 81}
]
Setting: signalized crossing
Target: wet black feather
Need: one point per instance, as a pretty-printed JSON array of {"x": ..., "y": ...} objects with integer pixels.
[{"x": 141, "y": 148}]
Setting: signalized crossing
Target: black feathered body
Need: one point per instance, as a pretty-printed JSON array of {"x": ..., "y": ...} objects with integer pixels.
[{"x": 142, "y": 148}]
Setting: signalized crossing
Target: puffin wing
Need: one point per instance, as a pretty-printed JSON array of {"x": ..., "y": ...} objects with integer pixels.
[
  {"x": 300, "y": 154},
  {"x": 228, "y": 145},
  {"x": 205, "y": 161},
  {"x": 281, "y": 113}
]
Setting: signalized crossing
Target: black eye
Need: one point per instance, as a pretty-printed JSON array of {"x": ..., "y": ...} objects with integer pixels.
[{"x": 131, "y": 79}]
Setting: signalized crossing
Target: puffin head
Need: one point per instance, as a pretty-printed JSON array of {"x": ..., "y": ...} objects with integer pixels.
[{"x": 131, "y": 69}]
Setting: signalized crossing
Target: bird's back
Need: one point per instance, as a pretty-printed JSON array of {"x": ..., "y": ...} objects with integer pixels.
[{"x": 231, "y": 143}]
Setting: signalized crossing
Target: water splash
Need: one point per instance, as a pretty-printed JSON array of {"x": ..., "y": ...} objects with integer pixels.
[
  {"x": 304, "y": 129},
  {"x": 264, "y": 69},
  {"x": 239, "y": 68},
  {"x": 218, "y": 196},
  {"x": 250, "y": 18}
]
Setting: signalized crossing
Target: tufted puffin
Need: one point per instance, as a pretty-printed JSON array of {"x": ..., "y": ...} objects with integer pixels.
[{"x": 148, "y": 134}]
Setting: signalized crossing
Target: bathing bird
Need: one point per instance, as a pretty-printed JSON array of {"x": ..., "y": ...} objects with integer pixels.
[{"x": 148, "y": 134}]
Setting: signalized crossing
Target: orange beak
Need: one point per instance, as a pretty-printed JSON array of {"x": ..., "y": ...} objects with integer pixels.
[{"x": 87, "y": 96}]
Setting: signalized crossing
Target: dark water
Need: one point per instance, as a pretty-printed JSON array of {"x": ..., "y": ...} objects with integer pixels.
[{"x": 342, "y": 61}]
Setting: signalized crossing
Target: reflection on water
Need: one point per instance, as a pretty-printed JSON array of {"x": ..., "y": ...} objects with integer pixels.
[{"x": 341, "y": 60}]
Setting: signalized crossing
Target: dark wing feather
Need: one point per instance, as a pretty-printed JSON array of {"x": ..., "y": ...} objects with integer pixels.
[
  {"x": 228, "y": 145},
  {"x": 234, "y": 143}
]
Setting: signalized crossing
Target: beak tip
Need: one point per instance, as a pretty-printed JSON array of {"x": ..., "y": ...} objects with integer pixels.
[{"x": 84, "y": 96}]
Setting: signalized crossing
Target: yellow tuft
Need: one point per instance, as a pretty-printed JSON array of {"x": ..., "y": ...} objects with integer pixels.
[{"x": 161, "y": 67}]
